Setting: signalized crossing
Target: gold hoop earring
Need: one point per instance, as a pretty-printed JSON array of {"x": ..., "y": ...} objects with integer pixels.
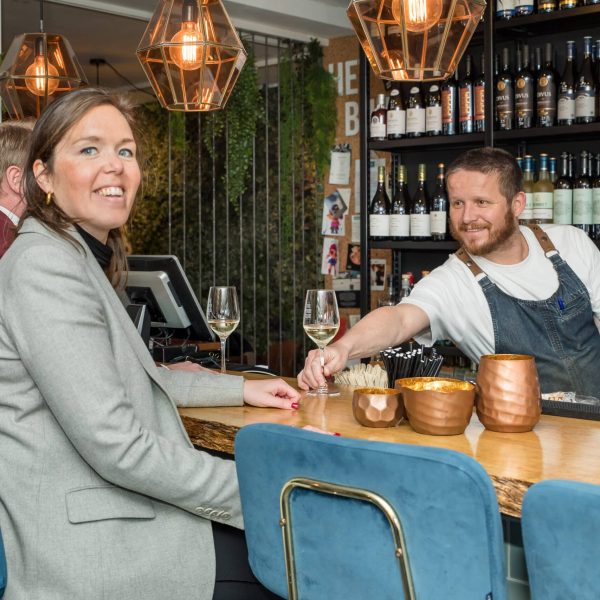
[{"x": 49, "y": 198}]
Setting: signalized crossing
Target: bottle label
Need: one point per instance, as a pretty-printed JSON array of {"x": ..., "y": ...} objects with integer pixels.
[
  {"x": 567, "y": 4},
  {"x": 378, "y": 126},
  {"x": 546, "y": 101},
  {"x": 585, "y": 105},
  {"x": 504, "y": 104},
  {"x": 479, "y": 103},
  {"x": 396, "y": 122},
  {"x": 563, "y": 207},
  {"x": 504, "y": 9},
  {"x": 547, "y": 6},
  {"x": 582, "y": 206},
  {"x": 465, "y": 104},
  {"x": 379, "y": 225},
  {"x": 566, "y": 107},
  {"x": 420, "y": 225},
  {"x": 438, "y": 221},
  {"x": 542, "y": 205},
  {"x": 415, "y": 120},
  {"x": 523, "y": 7},
  {"x": 527, "y": 213},
  {"x": 596, "y": 206},
  {"x": 447, "y": 107},
  {"x": 433, "y": 118},
  {"x": 400, "y": 226},
  {"x": 524, "y": 101}
]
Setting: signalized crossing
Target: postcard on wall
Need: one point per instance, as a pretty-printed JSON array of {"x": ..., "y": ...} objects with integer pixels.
[
  {"x": 353, "y": 258},
  {"x": 334, "y": 210},
  {"x": 330, "y": 260},
  {"x": 355, "y": 229},
  {"x": 377, "y": 274},
  {"x": 357, "y": 186},
  {"x": 339, "y": 170}
]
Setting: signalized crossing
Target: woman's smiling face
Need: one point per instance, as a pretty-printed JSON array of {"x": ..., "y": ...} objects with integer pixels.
[{"x": 94, "y": 172}]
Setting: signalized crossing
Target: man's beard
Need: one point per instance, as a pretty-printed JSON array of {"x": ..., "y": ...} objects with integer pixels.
[{"x": 496, "y": 238}]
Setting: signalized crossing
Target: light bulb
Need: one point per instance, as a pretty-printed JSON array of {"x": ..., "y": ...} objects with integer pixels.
[
  {"x": 419, "y": 15},
  {"x": 187, "y": 56},
  {"x": 36, "y": 77}
]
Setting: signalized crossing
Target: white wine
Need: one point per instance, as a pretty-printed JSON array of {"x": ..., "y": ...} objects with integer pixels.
[
  {"x": 321, "y": 335},
  {"x": 223, "y": 327}
]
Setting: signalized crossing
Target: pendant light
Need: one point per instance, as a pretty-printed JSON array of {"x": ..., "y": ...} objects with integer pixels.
[
  {"x": 414, "y": 40},
  {"x": 38, "y": 68},
  {"x": 191, "y": 54}
]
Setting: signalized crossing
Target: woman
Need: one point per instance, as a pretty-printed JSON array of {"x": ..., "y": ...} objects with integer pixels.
[{"x": 102, "y": 496}]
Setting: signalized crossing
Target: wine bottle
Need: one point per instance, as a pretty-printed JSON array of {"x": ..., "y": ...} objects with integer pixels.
[
  {"x": 379, "y": 210},
  {"x": 449, "y": 93},
  {"x": 524, "y": 91},
  {"x": 552, "y": 169},
  {"x": 400, "y": 217},
  {"x": 504, "y": 94},
  {"x": 523, "y": 8},
  {"x": 596, "y": 200},
  {"x": 415, "y": 113},
  {"x": 546, "y": 6},
  {"x": 564, "y": 4},
  {"x": 585, "y": 87},
  {"x": 582, "y": 196},
  {"x": 465, "y": 100},
  {"x": 546, "y": 91},
  {"x": 543, "y": 194},
  {"x": 479, "y": 98},
  {"x": 433, "y": 110},
  {"x": 527, "y": 214},
  {"x": 396, "y": 115},
  {"x": 505, "y": 9},
  {"x": 597, "y": 68},
  {"x": 439, "y": 206},
  {"x": 566, "y": 89},
  {"x": 420, "y": 225},
  {"x": 563, "y": 193},
  {"x": 378, "y": 120}
]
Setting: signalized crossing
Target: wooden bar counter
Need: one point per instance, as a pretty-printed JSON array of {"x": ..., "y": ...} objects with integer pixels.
[{"x": 557, "y": 448}]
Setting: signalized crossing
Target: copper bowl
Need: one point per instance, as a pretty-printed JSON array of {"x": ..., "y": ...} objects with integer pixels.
[
  {"x": 437, "y": 405},
  {"x": 378, "y": 407},
  {"x": 508, "y": 392}
]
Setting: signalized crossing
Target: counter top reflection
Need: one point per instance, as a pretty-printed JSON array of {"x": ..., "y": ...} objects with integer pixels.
[{"x": 558, "y": 448}]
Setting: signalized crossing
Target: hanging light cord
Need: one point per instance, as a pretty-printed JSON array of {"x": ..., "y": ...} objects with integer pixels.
[
  {"x": 41, "y": 16},
  {"x": 102, "y": 61}
]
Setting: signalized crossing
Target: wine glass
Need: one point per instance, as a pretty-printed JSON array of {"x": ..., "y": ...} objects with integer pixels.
[
  {"x": 223, "y": 314},
  {"x": 321, "y": 323}
]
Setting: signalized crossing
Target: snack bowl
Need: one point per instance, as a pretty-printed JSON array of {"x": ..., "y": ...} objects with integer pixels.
[
  {"x": 437, "y": 405},
  {"x": 378, "y": 407}
]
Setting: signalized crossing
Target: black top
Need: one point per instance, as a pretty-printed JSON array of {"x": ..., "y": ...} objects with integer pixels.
[{"x": 101, "y": 252}]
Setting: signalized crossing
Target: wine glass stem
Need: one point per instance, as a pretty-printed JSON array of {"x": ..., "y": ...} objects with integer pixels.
[
  {"x": 322, "y": 389},
  {"x": 223, "y": 340}
]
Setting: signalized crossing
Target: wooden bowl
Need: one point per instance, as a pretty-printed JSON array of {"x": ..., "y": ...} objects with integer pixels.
[
  {"x": 508, "y": 393},
  {"x": 378, "y": 407},
  {"x": 437, "y": 405}
]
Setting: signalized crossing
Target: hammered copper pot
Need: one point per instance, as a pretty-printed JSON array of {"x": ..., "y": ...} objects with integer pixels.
[
  {"x": 437, "y": 405},
  {"x": 378, "y": 407},
  {"x": 508, "y": 392}
]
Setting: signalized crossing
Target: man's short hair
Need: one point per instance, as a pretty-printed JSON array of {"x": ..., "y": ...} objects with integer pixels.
[
  {"x": 14, "y": 143},
  {"x": 491, "y": 160}
]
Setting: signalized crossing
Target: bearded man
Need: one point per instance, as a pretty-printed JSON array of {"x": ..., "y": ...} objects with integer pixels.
[{"x": 509, "y": 289}]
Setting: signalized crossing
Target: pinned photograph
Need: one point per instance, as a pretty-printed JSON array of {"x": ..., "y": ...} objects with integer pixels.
[
  {"x": 330, "y": 260},
  {"x": 334, "y": 209},
  {"x": 353, "y": 258},
  {"x": 377, "y": 274}
]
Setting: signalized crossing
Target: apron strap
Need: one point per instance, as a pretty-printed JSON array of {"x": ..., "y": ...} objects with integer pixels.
[
  {"x": 542, "y": 238},
  {"x": 463, "y": 255}
]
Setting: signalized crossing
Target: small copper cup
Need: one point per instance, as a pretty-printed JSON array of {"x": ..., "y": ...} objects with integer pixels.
[
  {"x": 508, "y": 392},
  {"x": 437, "y": 405},
  {"x": 378, "y": 407}
]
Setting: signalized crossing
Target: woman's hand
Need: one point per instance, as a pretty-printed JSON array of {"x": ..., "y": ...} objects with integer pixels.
[{"x": 274, "y": 393}]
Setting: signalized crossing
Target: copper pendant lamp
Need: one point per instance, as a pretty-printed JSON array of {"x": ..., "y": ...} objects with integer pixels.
[
  {"x": 37, "y": 69},
  {"x": 191, "y": 54},
  {"x": 414, "y": 40}
]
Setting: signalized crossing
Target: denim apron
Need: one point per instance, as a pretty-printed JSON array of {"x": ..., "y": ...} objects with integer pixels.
[{"x": 559, "y": 331}]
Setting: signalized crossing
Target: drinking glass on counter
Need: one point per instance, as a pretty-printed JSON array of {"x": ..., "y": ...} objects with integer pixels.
[
  {"x": 223, "y": 314},
  {"x": 321, "y": 323}
]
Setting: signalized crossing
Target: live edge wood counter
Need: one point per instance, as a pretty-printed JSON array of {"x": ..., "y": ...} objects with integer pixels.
[{"x": 558, "y": 448}]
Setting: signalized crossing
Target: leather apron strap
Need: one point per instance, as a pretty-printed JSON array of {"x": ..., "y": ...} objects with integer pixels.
[{"x": 463, "y": 255}]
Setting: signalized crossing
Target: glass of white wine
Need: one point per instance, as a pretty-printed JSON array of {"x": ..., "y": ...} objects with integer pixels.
[
  {"x": 223, "y": 314},
  {"x": 321, "y": 323}
]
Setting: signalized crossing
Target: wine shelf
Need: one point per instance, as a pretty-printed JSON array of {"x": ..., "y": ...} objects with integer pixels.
[
  {"x": 564, "y": 133},
  {"x": 410, "y": 245},
  {"x": 426, "y": 143}
]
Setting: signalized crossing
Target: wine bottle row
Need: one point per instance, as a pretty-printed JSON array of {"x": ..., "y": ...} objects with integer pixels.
[
  {"x": 569, "y": 197},
  {"x": 532, "y": 95},
  {"x": 507, "y": 9},
  {"x": 404, "y": 218}
]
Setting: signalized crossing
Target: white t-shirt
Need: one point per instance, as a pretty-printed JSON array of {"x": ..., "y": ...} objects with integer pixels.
[{"x": 457, "y": 307}]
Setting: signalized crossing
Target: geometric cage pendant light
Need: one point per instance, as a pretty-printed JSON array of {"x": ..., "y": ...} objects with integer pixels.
[
  {"x": 191, "y": 54},
  {"x": 414, "y": 40},
  {"x": 37, "y": 69}
]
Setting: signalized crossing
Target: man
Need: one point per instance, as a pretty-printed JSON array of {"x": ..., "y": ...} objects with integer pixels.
[
  {"x": 510, "y": 290},
  {"x": 14, "y": 144}
]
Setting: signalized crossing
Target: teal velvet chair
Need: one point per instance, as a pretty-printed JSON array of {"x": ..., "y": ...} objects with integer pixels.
[
  {"x": 427, "y": 527},
  {"x": 2, "y": 567},
  {"x": 561, "y": 538}
]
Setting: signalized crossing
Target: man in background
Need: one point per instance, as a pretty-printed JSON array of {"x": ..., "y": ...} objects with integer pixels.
[{"x": 14, "y": 145}]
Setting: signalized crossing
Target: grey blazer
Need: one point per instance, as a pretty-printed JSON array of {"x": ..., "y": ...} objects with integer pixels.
[{"x": 102, "y": 495}]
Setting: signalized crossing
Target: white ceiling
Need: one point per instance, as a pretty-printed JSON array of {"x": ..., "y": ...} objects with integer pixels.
[{"x": 111, "y": 31}]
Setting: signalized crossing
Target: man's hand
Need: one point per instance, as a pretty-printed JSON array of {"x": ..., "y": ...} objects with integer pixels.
[
  {"x": 313, "y": 375},
  {"x": 274, "y": 393}
]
